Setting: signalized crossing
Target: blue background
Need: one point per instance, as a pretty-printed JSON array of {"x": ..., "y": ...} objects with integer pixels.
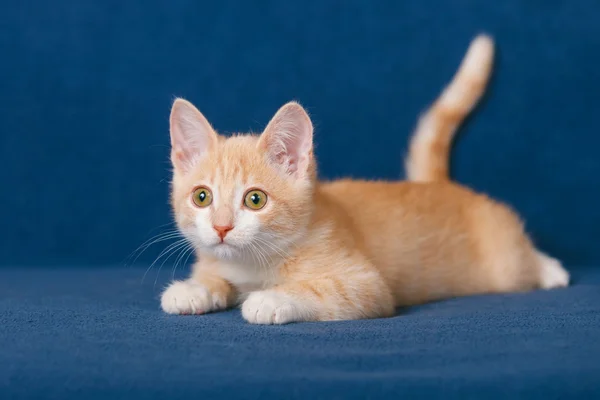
[
  {"x": 85, "y": 93},
  {"x": 86, "y": 89}
]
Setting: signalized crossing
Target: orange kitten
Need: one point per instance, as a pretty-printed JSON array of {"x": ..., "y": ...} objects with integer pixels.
[{"x": 288, "y": 248}]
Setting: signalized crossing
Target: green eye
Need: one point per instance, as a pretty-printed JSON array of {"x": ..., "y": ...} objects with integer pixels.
[
  {"x": 202, "y": 197},
  {"x": 255, "y": 199}
]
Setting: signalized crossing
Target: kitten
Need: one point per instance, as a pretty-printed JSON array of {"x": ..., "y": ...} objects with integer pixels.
[{"x": 288, "y": 248}]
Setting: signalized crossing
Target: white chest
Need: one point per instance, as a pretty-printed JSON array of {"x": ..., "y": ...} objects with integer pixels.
[{"x": 248, "y": 278}]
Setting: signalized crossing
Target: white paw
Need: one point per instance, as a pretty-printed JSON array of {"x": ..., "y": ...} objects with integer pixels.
[
  {"x": 270, "y": 307},
  {"x": 185, "y": 297}
]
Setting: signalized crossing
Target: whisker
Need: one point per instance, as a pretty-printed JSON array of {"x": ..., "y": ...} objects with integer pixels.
[
  {"x": 181, "y": 254},
  {"x": 291, "y": 245},
  {"x": 174, "y": 251},
  {"x": 169, "y": 232},
  {"x": 253, "y": 252},
  {"x": 282, "y": 253},
  {"x": 251, "y": 248},
  {"x": 160, "y": 226},
  {"x": 180, "y": 258},
  {"x": 188, "y": 256},
  {"x": 265, "y": 266},
  {"x": 274, "y": 248},
  {"x": 158, "y": 240},
  {"x": 168, "y": 249},
  {"x": 161, "y": 237}
]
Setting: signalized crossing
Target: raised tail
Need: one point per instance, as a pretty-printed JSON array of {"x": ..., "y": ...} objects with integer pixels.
[{"x": 429, "y": 153}]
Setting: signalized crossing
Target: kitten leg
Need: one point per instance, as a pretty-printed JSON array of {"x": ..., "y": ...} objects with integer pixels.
[
  {"x": 552, "y": 273},
  {"x": 203, "y": 292},
  {"x": 355, "y": 294}
]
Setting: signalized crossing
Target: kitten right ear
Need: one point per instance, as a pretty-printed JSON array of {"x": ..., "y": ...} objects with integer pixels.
[{"x": 191, "y": 134}]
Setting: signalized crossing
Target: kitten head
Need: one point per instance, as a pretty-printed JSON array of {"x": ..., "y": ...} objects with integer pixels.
[{"x": 246, "y": 196}]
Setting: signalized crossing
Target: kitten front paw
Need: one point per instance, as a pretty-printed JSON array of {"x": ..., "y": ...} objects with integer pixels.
[
  {"x": 270, "y": 307},
  {"x": 187, "y": 297}
]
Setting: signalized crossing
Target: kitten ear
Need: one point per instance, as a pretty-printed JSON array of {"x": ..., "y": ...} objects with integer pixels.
[
  {"x": 191, "y": 134},
  {"x": 288, "y": 140}
]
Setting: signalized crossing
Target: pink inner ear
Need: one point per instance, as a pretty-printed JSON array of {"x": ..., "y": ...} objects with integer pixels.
[
  {"x": 191, "y": 134},
  {"x": 288, "y": 139},
  {"x": 280, "y": 157},
  {"x": 289, "y": 157},
  {"x": 180, "y": 157}
]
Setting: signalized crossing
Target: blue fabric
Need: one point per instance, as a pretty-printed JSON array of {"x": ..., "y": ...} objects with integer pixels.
[
  {"x": 92, "y": 333},
  {"x": 87, "y": 87},
  {"x": 85, "y": 92}
]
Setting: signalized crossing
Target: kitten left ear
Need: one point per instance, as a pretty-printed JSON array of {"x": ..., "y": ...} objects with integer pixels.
[{"x": 288, "y": 140}]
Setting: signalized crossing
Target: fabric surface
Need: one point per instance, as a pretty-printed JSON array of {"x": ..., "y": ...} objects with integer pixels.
[
  {"x": 85, "y": 93},
  {"x": 91, "y": 333},
  {"x": 86, "y": 88}
]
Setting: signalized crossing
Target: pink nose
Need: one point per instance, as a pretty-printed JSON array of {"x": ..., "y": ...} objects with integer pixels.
[{"x": 222, "y": 230}]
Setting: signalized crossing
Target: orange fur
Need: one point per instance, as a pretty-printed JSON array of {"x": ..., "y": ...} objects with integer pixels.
[
  {"x": 345, "y": 249},
  {"x": 428, "y": 159}
]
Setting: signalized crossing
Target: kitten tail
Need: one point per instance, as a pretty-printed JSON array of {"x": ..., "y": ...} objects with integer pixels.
[{"x": 428, "y": 158}]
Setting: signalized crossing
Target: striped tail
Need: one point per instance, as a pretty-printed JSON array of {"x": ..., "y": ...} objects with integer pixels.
[{"x": 429, "y": 153}]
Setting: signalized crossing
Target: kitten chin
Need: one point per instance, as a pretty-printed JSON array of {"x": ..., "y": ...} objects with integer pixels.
[
  {"x": 225, "y": 251},
  {"x": 345, "y": 249}
]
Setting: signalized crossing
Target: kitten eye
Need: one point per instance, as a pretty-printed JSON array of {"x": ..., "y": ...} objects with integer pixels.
[
  {"x": 255, "y": 199},
  {"x": 202, "y": 197}
]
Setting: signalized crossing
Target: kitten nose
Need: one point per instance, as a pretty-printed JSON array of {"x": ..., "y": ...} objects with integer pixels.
[{"x": 222, "y": 230}]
